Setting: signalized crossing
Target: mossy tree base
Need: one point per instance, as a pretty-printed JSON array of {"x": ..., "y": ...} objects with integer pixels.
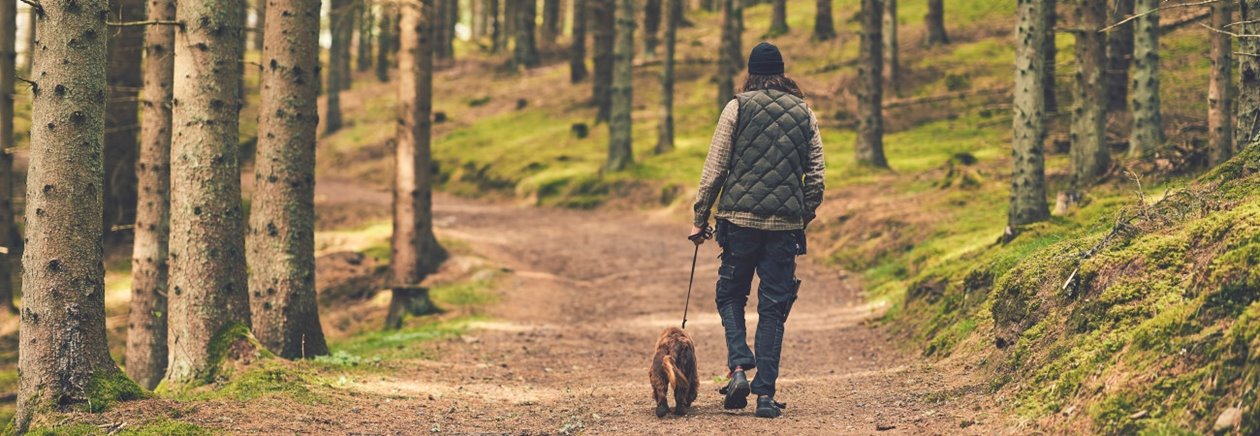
[{"x": 408, "y": 300}]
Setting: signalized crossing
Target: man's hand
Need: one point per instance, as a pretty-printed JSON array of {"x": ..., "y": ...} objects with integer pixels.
[{"x": 700, "y": 234}]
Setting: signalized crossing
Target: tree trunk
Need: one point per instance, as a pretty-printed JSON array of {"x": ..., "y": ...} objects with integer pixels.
[
  {"x": 498, "y": 26},
  {"x": 551, "y": 22},
  {"x": 443, "y": 47},
  {"x": 651, "y": 28},
  {"x": 891, "y": 47},
  {"x": 30, "y": 40},
  {"x": 1049, "y": 19},
  {"x": 1220, "y": 95},
  {"x": 778, "y": 18},
  {"x": 281, "y": 240},
  {"x": 415, "y": 252},
  {"x": 1028, "y": 180},
  {"x": 731, "y": 55},
  {"x": 935, "y": 22},
  {"x": 577, "y": 52},
  {"x": 260, "y": 23},
  {"x": 452, "y": 20},
  {"x": 605, "y": 23},
  {"x": 349, "y": 25},
  {"x": 122, "y": 116},
  {"x": 384, "y": 40},
  {"x": 63, "y": 358},
  {"x": 146, "y": 322},
  {"x": 824, "y": 25},
  {"x": 337, "y": 14},
  {"x": 673, "y": 14},
  {"x": 1119, "y": 55},
  {"x": 526, "y": 51},
  {"x": 480, "y": 18},
  {"x": 1147, "y": 133},
  {"x": 709, "y": 5},
  {"x": 620, "y": 140},
  {"x": 207, "y": 245},
  {"x": 8, "y": 49},
  {"x": 1090, "y": 158},
  {"x": 1247, "y": 117},
  {"x": 364, "y": 61},
  {"x": 870, "y": 138}
]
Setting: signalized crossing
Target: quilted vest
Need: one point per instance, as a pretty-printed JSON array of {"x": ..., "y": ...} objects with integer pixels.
[{"x": 768, "y": 156}]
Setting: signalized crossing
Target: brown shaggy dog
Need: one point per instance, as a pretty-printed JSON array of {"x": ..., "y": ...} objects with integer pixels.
[{"x": 674, "y": 364}]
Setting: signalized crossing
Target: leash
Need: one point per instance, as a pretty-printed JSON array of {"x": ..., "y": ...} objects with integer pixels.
[{"x": 705, "y": 233}]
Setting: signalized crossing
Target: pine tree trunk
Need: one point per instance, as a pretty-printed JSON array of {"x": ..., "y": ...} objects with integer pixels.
[
  {"x": 63, "y": 358},
  {"x": 620, "y": 141},
  {"x": 337, "y": 14},
  {"x": 935, "y": 22},
  {"x": 870, "y": 138},
  {"x": 30, "y": 40},
  {"x": 415, "y": 252},
  {"x": 890, "y": 46},
  {"x": 651, "y": 28},
  {"x": 146, "y": 322},
  {"x": 824, "y": 24},
  {"x": 384, "y": 40},
  {"x": 122, "y": 121},
  {"x": 364, "y": 61},
  {"x": 526, "y": 51},
  {"x": 442, "y": 48},
  {"x": 577, "y": 52},
  {"x": 8, "y": 50},
  {"x": 478, "y": 18},
  {"x": 207, "y": 245},
  {"x": 1220, "y": 95},
  {"x": 452, "y": 20},
  {"x": 1090, "y": 158},
  {"x": 260, "y": 23},
  {"x": 1147, "y": 133},
  {"x": 673, "y": 14},
  {"x": 1028, "y": 181},
  {"x": 498, "y": 25},
  {"x": 551, "y": 22},
  {"x": 1247, "y": 115},
  {"x": 349, "y": 25},
  {"x": 281, "y": 240},
  {"x": 778, "y": 18},
  {"x": 709, "y": 5},
  {"x": 731, "y": 55},
  {"x": 1119, "y": 55},
  {"x": 605, "y": 29},
  {"x": 1049, "y": 19}
]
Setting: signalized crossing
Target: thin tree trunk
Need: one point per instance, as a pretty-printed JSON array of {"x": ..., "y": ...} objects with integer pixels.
[
  {"x": 526, "y": 51},
  {"x": 384, "y": 39},
  {"x": 443, "y": 47},
  {"x": 1049, "y": 19},
  {"x": 824, "y": 24},
  {"x": 651, "y": 28},
  {"x": 63, "y": 358},
  {"x": 479, "y": 18},
  {"x": 1220, "y": 95},
  {"x": 364, "y": 61},
  {"x": 8, "y": 50},
  {"x": 498, "y": 25},
  {"x": 414, "y": 249},
  {"x": 870, "y": 138},
  {"x": 30, "y": 39},
  {"x": 551, "y": 22},
  {"x": 207, "y": 246},
  {"x": 1147, "y": 133},
  {"x": 1247, "y": 115},
  {"x": 731, "y": 54},
  {"x": 1119, "y": 56},
  {"x": 709, "y": 5},
  {"x": 891, "y": 48},
  {"x": 146, "y": 322},
  {"x": 673, "y": 14},
  {"x": 620, "y": 141},
  {"x": 281, "y": 240},
  {"x": 1089, "y": 115},
  {"x": 337, "y": 14},
  {"x": 260, "y": 23},
  {"x": 452, "y": 20},
  {"x": 935, "y": 22},
  {"x": 778, "y": 18},
  {"x": 577, "y": 52},
  {"x": 122, "y": 121},
  {"x": 349, "y": 25},
  {"x": 603, "y": 13},
  {"x": 1028, "y": 181}
]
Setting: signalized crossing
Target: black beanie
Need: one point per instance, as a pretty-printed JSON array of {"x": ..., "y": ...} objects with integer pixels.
[{"x": 765, "y": 60}]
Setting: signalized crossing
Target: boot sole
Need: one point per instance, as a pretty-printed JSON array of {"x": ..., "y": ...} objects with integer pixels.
[{"x": 737, "y": 398}]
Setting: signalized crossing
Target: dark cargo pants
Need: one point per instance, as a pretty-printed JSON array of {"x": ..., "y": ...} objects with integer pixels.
[{"x": 772, "y": 256}]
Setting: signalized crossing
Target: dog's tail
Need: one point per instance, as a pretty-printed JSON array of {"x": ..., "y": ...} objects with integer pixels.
[{"x": 675, "y": 376}]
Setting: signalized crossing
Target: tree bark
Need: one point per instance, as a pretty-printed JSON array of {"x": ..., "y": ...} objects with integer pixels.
[
  {"x": 1220, "y": 95},
  {"x": 349, "y": 26},
  {"x": 1090, "y": 158},
  {"x": 1119, "y": 55},
  {"x": 651, "y": 28},
  {"x": 1147, "y": 133},
  {"x": 384, "y": 41},
  {"x": 620, "y": 140},
  {"x": 605, "y": 23},
  {"x": 260, "y": 23},
  {"x": 414, "y": 249},
  {"x": 146, "y": 322},
  {"x": 778, "y": 18},
  {"x": 30, "y": 40},
  {"x": 364, "y": 61},
  {"x": 122, "y": 116},
  {"x": 870, "y": 138},
  {"x": 63, "y": 358},
  {"x": 526, "y": 50},
  {"x": 577, "y": 52},
  {"x": 731, "y": 55},
  {"x": 498, "y": 26},
  {"x": 891, "y": 47},
  {"x": 824, "y": 24},
  {"x": 8, "y": 50},
  {"x": 551, "y": 22},
  {"x": 443, "y": 47},
  {"x": 1050, "y": 17},
  {"x": 337, "y": 14},
  {"x": 1028, "y": 184},
  {"x": 207, "y": 245},
  {"x": 1247, "y": 117},
  {"x": 673, "y": 14},
  {"x": 935, "y": 22}
]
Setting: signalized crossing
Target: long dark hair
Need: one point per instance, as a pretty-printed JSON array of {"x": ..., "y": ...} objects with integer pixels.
[{"x": 779, "y": 82}]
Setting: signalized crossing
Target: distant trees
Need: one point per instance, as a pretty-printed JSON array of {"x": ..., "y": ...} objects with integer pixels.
[
  {"x": 364, "y": 61},
  {"x": 525, "y": 53},
  {"x": 1028, "y": 185},
  {"x": 602, "y": 12},
  {"x": 620, "y": 141},
  {"x": 1119, "y": 55},
  {"x": 63, "y": 359},
  {"x": 1247, "y": 115},
  {"x": 935, "y": 23},
  {"x": 1220, "y": 92},
  {"x": 552, "y": 22},
  {"x": 1089, "y": 112},
  {"x": 414, "y": 250},
  {"x": 651, "y": 28},
  {"x": 339, "y": 14},
  {"x": 1147, "y": 132},
  {"x": 260, "y": 23},
  {"x": 730, "y": 54},
  {"x": 122, "y": 114},
  {"x": 890, "y": 45},
  {"x": 778, "y": 18},
  {"x": 385, "y": 40},
  {"x": 444, "y": 17},
  {"x": 281, "y": 239},
  {"x": 824, "y": 25},
  {"x": 870, "y": 135},
  {"x": 8, "y": 50},
  {"x": 673, "y": 14},
  {"x": 207, "y": 246},
  {"x": 1050, "y": 51},
  {"x": 577, "y": 51}
]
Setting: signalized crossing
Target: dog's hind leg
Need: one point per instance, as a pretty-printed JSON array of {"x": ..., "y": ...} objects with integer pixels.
[{"x": 660, "y": 389}]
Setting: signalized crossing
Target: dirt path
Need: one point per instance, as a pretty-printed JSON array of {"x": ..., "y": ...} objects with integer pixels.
[{"x": 566, "y": 348}]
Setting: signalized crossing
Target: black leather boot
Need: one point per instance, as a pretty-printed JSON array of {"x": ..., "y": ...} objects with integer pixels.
[{"x": 768, "y": 408}]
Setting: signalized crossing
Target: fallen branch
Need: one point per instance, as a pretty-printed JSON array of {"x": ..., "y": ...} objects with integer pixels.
[
  {"x": 1184, "y": 22},
  {"x": 147, "y": 23},
  {"x": 943, "y": 97},
  {"x": 1161, "y": 8}
]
